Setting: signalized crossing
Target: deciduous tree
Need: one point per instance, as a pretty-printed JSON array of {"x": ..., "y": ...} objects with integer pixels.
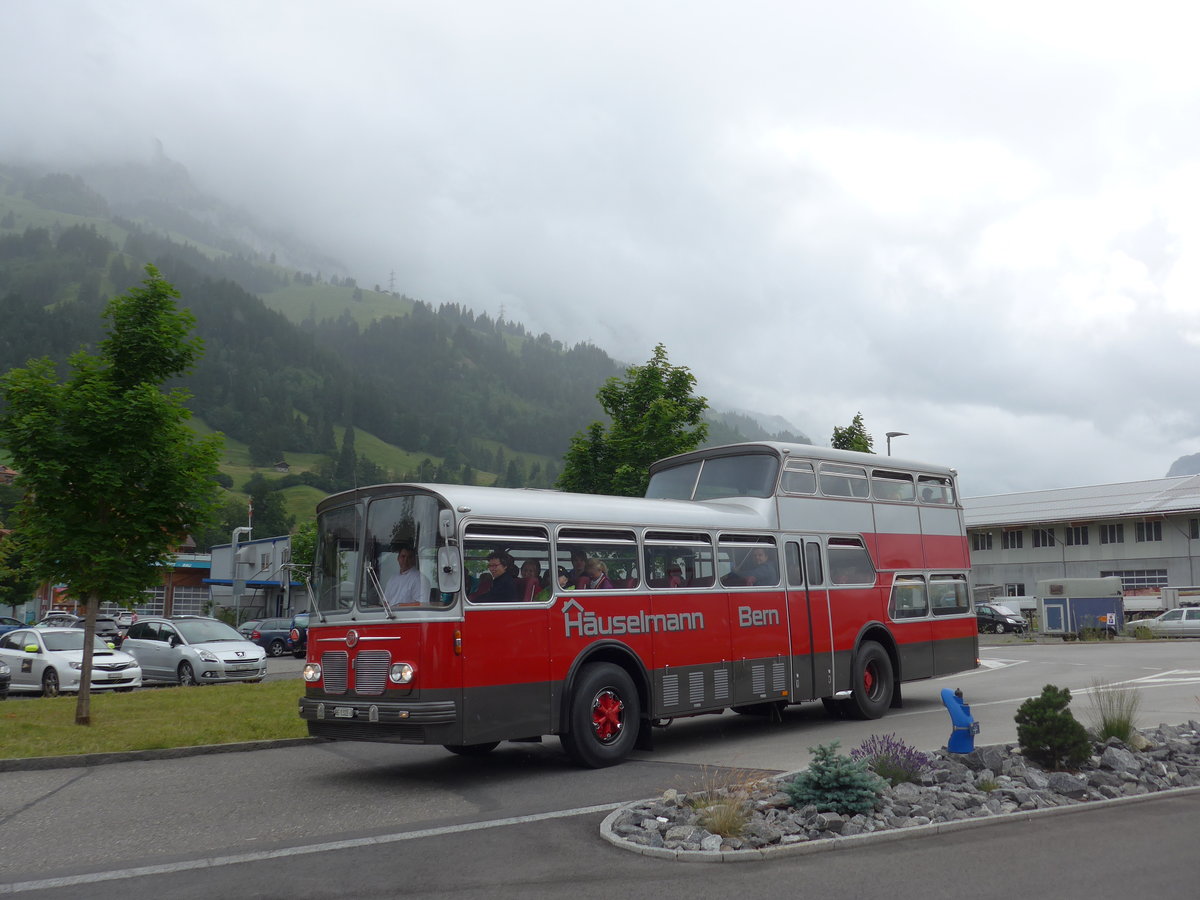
[
  {"x": 113, "y": 478},
  {"x": 853, "y": 437},
  {"x": 654, "y": 414}
]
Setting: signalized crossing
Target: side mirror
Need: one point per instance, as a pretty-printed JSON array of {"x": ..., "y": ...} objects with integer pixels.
[
  {"x": 30, "y": 648},
  {"x": 110, "y": 645},
  {"x": 449, "y": 574}
]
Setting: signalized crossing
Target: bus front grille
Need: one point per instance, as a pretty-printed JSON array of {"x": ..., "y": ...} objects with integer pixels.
[
  {"x": 370, "y": 672},
  {"x": 334, "y": 668}
]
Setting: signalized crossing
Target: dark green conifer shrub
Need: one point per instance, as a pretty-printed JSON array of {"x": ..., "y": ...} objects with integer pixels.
[
  {"x": 836, "y": 783},
  {"x": 1049, "y": 734}
]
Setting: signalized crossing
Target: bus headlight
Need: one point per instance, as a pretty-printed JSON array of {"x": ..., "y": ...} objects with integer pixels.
[
  {"x": 312, "y": 672},
  {"x": 401, "y": 673}
]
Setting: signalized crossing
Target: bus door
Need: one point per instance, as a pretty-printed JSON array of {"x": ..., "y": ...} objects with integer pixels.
[
  {"x": 809, "y": 619},
  {"x": 748, "y": 566},
  {"x": 689, "y": 624},
  {"x": 505, "y": 637}
]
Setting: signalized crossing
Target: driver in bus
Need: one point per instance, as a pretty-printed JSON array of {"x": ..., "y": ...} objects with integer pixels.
[
  {"x": 758, "y": 569},
  {"x": 408, "y": 587}
]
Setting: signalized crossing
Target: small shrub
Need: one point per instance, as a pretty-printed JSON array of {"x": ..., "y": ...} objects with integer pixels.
[
  {"x": 1114, "y": 711},
  {"x": 1048, "y": 733},
  {"x": 891, "y": 759},
  {"x": 723, "y": 800},
  {"x": 1142, "y": 633},
  {"x": 836, "y": 783}
]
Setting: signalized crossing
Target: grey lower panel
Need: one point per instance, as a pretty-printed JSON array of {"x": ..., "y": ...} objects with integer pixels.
[
  {"x": 501, "y": 712},
  {"x": 955, "y": 655}
]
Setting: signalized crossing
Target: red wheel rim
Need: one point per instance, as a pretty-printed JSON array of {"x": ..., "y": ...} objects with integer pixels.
[{"x": 608, "y": 716}]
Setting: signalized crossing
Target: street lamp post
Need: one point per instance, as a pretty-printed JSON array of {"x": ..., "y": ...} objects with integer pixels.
[{"x": 892, "y": 434}]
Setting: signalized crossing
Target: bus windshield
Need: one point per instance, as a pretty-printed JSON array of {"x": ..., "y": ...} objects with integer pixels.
[
  {"x": 394, "y": 568},
  {"x": 748, "y": 475}
]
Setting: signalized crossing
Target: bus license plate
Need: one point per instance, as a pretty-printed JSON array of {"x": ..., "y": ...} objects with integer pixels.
[{"x": 343, "y": 712}]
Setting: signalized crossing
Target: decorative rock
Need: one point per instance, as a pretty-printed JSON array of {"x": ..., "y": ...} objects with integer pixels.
[{"x": 949, "y": 791}]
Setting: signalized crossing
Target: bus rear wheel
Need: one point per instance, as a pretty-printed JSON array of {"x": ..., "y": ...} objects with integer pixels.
[
  {"x": 873, "y": 682},
  {"x": 605, "y": 714}
]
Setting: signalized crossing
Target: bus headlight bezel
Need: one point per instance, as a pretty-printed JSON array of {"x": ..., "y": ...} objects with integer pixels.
[
  {"x": 312, "y": 672},
  {"x": 401, "y": 673}
]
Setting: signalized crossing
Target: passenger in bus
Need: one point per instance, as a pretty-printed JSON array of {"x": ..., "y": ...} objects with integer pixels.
[
  {"x": 597, "y": 574},
  {"x": 564, "y": 580},
  {"x": 757, "y": 568},
  {"x": 408, "y": 587},
  {"x": 504, "y": 587},
  {"x": 675, "y": 577},
  {"x": 531, "y": 581},
  {"x": 578, "y": 574}
]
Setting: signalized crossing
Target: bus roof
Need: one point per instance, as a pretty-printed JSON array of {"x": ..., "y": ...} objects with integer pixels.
[
  {"x": 524, "y": 504},
  {"x": 810, "y": 451}
]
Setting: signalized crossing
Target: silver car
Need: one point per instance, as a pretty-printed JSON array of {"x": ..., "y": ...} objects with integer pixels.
[
  {"x": 1183, "y": 621},
  {"x": 50, "y": 661},
  {"x": 193, "y": 650}
]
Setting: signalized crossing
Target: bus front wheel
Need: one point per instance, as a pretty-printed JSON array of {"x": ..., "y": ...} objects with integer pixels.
[
  {"x": 873, "y": 682},
  {"x": 605, "y": 715}
]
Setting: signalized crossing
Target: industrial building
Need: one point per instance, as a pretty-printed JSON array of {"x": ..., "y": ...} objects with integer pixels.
[{"x": 1147, "y": 533}]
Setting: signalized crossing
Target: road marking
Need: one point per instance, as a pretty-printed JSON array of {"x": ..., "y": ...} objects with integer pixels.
[{"x": 285, "y": 852}]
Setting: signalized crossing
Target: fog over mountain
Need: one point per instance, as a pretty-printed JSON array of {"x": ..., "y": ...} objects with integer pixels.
[{"x": 973, "y": 224}]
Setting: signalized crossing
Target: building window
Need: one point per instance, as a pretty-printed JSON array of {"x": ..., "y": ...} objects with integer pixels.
[
  {"x": 1012, "y": 540},
  {"x": 1194, "y": 529},
  {"x": 1043, "y": 537},
  {"x": 1135, "y": 579},
  {"x": 1112, "y": 534},
  {"x": 1076, "y": 535},
  {"x": 1148, "y": 531},
  {"x": 981, "y": 540},
  {"x": 1014, "y": 590}
]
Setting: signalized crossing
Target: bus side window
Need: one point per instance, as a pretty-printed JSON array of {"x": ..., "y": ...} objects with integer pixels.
[
  {"x": 849, "y": 562},
  {"x": 908, "y": 598},
  {"x": 795, "y": 571},
  {"x": 948, "y": 595},
  {"x": 812, "y": 558}
]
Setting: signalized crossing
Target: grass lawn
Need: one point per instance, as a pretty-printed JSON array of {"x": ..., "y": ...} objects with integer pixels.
[{"x": 152, "y": 719}]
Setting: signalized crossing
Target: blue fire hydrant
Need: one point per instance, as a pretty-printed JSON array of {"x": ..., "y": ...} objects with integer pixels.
[{"x": 962, "y": 734}]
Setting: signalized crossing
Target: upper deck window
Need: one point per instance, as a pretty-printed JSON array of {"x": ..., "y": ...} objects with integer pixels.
[
  {"x": 748, "y": 475},
  {"x": 935, "y": 489},
  {"x": 892, "y": 485},
  {"x": 844, "y": 481},
  {"x": 798, "y": 477}
]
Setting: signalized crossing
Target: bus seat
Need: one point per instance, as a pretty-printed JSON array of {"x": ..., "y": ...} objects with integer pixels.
[
  {"x": 531, "y": 587},
  {"x": 484, "y": 585}
]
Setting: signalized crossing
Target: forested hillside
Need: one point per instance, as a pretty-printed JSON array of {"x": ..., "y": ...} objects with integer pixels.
[{"x": 328, "y": 387}]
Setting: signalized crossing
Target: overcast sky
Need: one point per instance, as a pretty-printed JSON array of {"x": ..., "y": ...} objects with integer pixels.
[{"x": 978, "y": 223}]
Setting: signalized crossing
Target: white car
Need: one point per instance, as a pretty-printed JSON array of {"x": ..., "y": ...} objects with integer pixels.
[
  {"x": 50, "y": 661},
  {"x": 1183, "y": 621}
]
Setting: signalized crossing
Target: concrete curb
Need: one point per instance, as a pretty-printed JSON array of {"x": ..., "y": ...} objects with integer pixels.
[
  {"x": 39, "y": 763},
  {"x": 858, "y": 840}
]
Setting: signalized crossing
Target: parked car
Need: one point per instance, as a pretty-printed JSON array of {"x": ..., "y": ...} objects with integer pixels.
[
  {"x": 996, "y": 619},
  {"x": 298, "y": 636},
  {"x": 107, "y": 629},
  {"x": 5, "y": 678},
  {"x": 247, "y": 627},
  {"x": 50, "y": 661},
  {"x": 270, "y": 634},
  {"x": 8, "y": 623},
  {"x": 1183, "y": 621},
  {"x": 193, "y": 650},
  {"x": 58, "y": 620}
]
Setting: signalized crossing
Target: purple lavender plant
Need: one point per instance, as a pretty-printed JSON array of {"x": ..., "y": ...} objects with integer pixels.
[{"x": 891, "y": 759}]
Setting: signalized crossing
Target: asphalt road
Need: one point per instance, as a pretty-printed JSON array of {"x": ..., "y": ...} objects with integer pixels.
[{"x": 338, "y": 819}]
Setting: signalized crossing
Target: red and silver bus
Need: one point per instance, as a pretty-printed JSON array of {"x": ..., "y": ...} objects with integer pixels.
[{"x": 752, "y": 576}]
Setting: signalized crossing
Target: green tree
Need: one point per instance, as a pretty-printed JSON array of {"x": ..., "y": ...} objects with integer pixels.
[
  {"x": 853, "y": 437},
  {"x": 113, "y": 478},
  {"x": 653, "y": 413},
  {"x": 17, "y": 583}
]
